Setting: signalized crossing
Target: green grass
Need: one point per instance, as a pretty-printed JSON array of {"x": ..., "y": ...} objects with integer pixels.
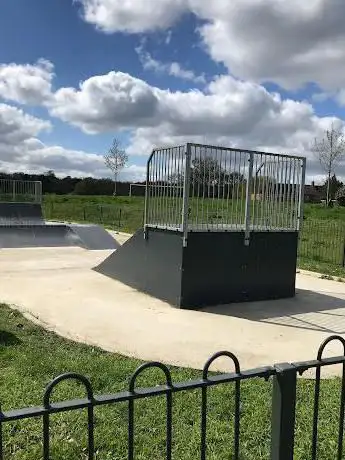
[
  {"x": 321, "y": 242},
  {"x": 120, "y": 213},
  {"x": 30, "y": 357}
]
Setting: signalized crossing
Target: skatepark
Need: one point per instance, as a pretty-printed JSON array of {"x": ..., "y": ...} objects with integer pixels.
[{"x": 65, "y": 285}]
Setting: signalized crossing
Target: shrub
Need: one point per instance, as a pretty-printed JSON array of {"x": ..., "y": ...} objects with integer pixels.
[{"x": 340, "y": 196}]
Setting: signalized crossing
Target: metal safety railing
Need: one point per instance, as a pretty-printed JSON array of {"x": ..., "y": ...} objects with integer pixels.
[
  {"x": 19, "y": 191},
  {"x": 283, "y": 407},
  {"x": 201, "y": 187}
]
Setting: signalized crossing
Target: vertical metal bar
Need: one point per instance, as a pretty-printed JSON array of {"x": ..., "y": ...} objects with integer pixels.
[
  {"x": 237, "y": 420},
  {"x": 91, "y": 443},
  {"x": 283, "y": 412},
  {"x": 131, "y": 429},
  {"x": 185, "y": 204},
  {"x": 14, "y": 191},
  {"x": 169, "y": 427},
  {"x": 341, "y": 417},
  {"x": 147, "y": 196},
  {"x": 316, "y": 413},
  {"x": 46, "y": 436},
  {"x": 220, "y": 181},
  {"x": 162, "y": 190},
  {"x": 247, "y": 218},
  {"x": 170, "y": 179},
  {"x": 295, "y": 185},
  {"x": 202, "y": 173},
  {"x": 203, "y": 444},
  {"x": 301, "y": 196},
  {"x": 176, "y": 158}
]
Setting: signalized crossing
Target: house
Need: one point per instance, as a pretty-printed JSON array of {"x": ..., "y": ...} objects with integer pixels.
[{"x": 313, "y": 193}]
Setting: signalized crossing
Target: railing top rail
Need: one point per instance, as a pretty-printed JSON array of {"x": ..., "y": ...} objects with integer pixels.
[
  {"x": 3, "y": 179},
  {"x": 239, "y": 150}
]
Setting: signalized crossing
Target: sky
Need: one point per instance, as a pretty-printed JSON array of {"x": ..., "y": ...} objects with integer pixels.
[{"x": 253, "y": 74}]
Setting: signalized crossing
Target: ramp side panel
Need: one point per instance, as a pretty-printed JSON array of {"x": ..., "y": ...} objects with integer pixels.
[
  {"x": 21, "y": 213},
  {"x": 38, "y": 236},
  {"x": 94, "y": 237},
  {"x": 219, "y": 269},
  {"x": 151, "y": 265}
]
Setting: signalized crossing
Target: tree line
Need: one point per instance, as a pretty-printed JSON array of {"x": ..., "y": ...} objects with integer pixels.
[{"x": 51, "y": 184}]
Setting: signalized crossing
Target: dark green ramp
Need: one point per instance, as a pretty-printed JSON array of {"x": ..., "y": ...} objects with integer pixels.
[{"x": 214, "y": 268}]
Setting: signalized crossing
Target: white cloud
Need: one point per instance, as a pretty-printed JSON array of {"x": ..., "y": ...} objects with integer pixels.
[
  {"x": 21, "y": 150},
  {"x": 106, "y": 103},
  {"x": 229, "y": 110},
  {"x": 132, "y": 15},
  {"x": 26, "y": 84},
  {"x": 288, "y": 42},
  {"x": 171, "y": 68},
  {"x": 291, "y": 43}
]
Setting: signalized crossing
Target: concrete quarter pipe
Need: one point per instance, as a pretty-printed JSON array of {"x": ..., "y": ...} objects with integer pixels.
[{"x": 22, "y": 226}]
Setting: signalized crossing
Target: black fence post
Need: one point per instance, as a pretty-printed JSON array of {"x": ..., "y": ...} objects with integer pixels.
[
  {"x": 120, "y": 218},
  {"x": 283, "y": 412},
  {"x": 343, "y": 252}
]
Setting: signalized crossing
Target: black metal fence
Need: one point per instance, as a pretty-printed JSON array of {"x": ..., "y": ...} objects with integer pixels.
[
  {"x": 323, "y": 241},
  {"x": 283, "y": 408}
]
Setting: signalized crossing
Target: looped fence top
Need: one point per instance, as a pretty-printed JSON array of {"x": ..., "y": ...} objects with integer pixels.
[
  {"x": 152, "y": 365},
  {"x": 69, "y": 376},
  {"x": 218, "y": 355}
]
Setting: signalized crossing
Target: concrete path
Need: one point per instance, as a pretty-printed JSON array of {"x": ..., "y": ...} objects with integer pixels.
[{"x": 59, "y": 289}]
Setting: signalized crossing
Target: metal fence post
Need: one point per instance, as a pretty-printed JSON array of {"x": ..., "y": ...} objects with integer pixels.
[
  {"x": 283, "y": 412},
  {"x": 343, "y": 260},
  {"x": 185, "y": 204},
  {"x": 147, "y": 195},
  {"x": 247, "y": 217}
]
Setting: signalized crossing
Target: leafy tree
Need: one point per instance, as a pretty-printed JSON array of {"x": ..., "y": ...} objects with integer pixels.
[
  {"x": 334, "y": 185},
  {"x": 340, "y": 196}
]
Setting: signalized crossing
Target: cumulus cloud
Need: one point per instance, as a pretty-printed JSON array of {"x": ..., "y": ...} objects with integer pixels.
[
  {"x": 132, "y": 15},
  {"x": 288, "y": 42},
  {"x": 228, "y": 110},
  {"x": 27, "y": 83},
  {"x": 21, "y": 150},
  {"x": 106, "y": 102}
]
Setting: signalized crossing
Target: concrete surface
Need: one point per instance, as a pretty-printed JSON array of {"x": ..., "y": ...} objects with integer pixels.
[{"x": 58, "y": 288}]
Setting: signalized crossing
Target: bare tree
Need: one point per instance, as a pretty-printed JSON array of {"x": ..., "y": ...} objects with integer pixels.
[
  {"x": 329, "y": 151},
  {"x": 115, "y": 159}
]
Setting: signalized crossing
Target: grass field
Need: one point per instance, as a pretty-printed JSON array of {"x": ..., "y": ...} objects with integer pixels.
[
  {"x": 30, "y": 357},
  {"x": 322, "y": 240}
]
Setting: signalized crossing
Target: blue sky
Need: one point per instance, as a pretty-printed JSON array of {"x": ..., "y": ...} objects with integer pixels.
[{"x": 204, "y": 71}]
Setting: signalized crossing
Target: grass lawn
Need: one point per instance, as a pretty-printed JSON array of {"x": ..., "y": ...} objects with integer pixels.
[
  {"x": 321, "y": 243},
  {"x": 30, "y": 357}
]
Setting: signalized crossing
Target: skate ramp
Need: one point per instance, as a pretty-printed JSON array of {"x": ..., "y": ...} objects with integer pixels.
[
  {"x": 94, "y": 237},
  {"x": 21, "y": 214},
  {"x": 28, "y": 236}
]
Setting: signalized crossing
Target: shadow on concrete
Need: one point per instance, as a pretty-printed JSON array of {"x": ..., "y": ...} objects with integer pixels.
[
  {"x": 8, "y": 339},
  {"x": 307, "y": 310}
]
